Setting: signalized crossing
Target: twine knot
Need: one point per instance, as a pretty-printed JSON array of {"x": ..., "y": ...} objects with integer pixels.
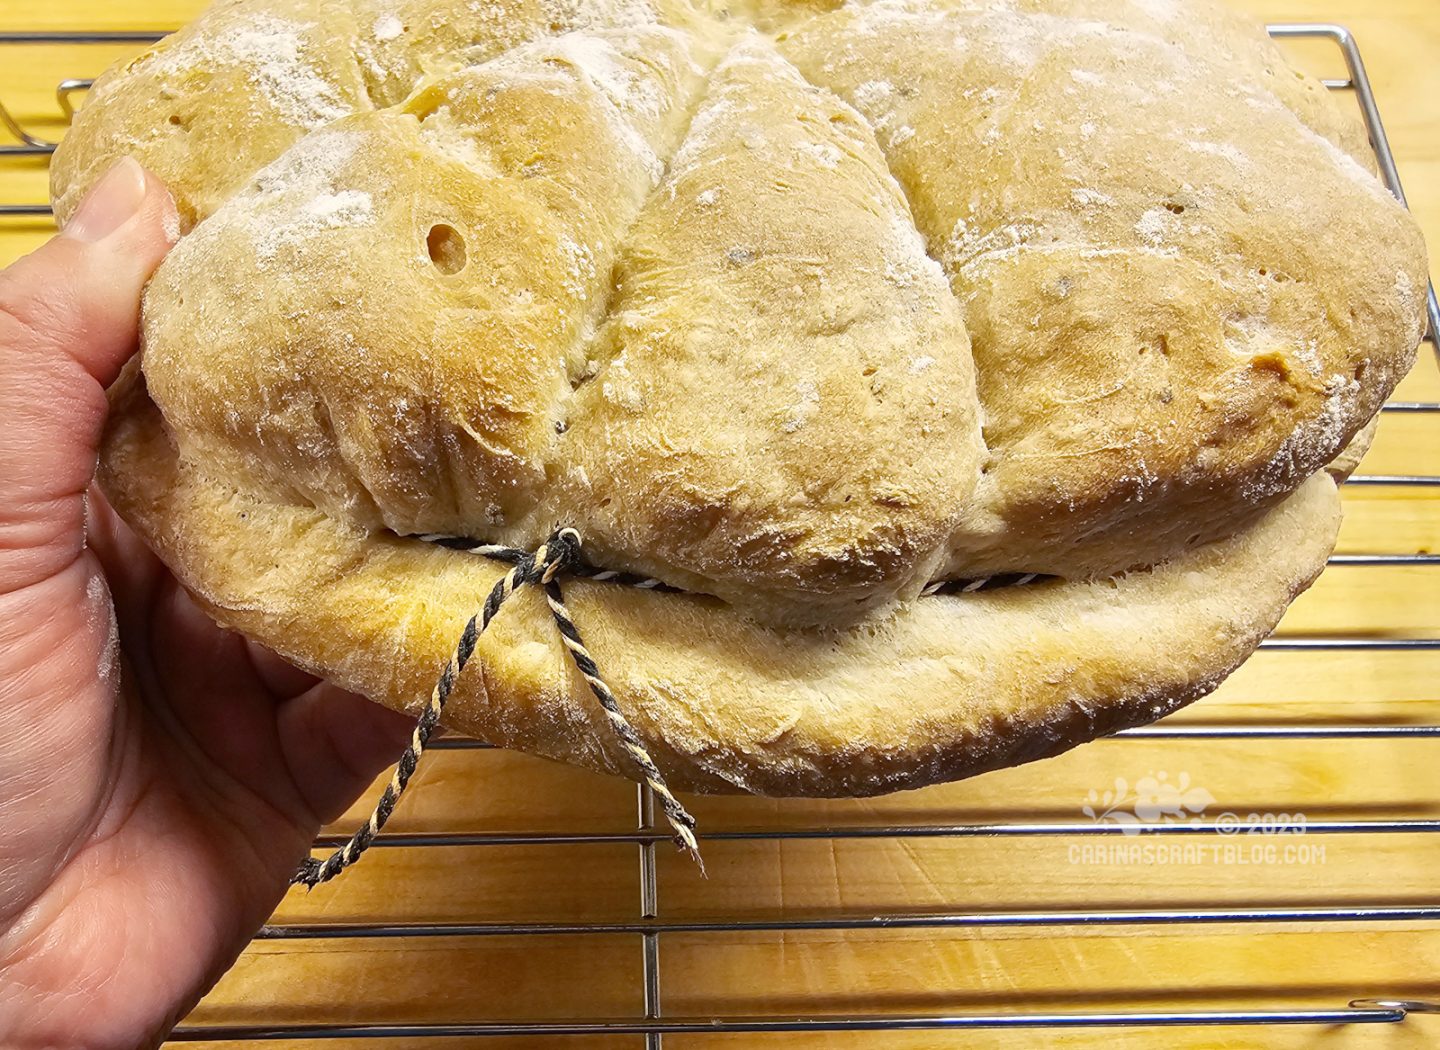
[{"x": 557, "y": 556}]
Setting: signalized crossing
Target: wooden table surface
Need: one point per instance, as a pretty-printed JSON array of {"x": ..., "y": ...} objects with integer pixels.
[{"x": 990, "y": 970}]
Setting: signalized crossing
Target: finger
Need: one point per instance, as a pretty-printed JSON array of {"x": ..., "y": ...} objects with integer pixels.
[
  {"x": 130, "y": 567},
  {"x": 317, "y": 751},
  {"x": 336, "y": 743},
  {"x": 69, "y": 318},
  {"x": 280, "y": 677}
]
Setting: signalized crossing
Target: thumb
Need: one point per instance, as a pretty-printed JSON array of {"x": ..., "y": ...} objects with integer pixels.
[{"x": 69, "y": 319}]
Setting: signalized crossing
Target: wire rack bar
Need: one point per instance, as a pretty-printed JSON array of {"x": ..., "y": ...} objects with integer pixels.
[
  {"x": 649, "y": 910},
  {"x": 1280, "y": 732},
  {"x": 1340, "y": 644},
  {"x": 654, "y": 927},
  {"x": 1384, "y": 559},
  {"x": 1396, "y": 480},
  {"x": 1305, "y": 731},
  {"x": 98, "y": 36},
  {"x": 1360, "y": 1014},
  {"x": 1007, "y": 829}
]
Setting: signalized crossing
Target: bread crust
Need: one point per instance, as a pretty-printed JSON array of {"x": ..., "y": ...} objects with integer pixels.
[
  {"x": 904, "y": 291},
  {"x": 794, "y": 306},
  {"x": 946, "y": 687}
]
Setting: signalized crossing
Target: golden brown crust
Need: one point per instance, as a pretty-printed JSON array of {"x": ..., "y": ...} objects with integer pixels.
[
  {"x": 208, "y": 106},
  {"x": 489, "y": 310},
  {"x": 336, "y": 353},
  {"x": 772, "y": 302},
  {"x": 1169, "y": 325},
  {"x": 795, "y": 304},
  {"x": 945, "y": 688}
]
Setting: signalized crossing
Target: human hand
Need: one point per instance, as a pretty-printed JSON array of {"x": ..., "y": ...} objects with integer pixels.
[{"x": 160, "y": 778}]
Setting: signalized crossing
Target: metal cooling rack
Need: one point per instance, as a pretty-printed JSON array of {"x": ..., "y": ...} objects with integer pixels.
[{"x": 650, "y": 929}]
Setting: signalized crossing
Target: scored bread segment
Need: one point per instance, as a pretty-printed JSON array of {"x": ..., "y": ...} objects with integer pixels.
[
  {"x": 402, "y": 42},
  {"x": 392, "y": 309},
  {"x": 206, "y": 107},
  {"x": 1172, "y": 322},
  {"x": 774, "y": 306}
]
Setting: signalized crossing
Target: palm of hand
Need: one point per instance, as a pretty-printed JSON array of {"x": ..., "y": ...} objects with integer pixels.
[
  {"x": 151, "y": 828},
  {"x": 160, "y": 778}
]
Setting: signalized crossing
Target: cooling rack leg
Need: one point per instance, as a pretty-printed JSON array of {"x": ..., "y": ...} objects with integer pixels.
[
  {"x": 1386, "y": 160},
  {"x": 649, "y": 942}
]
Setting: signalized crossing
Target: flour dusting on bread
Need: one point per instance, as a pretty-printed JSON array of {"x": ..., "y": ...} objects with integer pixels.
[
  {"x": 798, "y": 308},
  {"x": 275, "y": 52}
]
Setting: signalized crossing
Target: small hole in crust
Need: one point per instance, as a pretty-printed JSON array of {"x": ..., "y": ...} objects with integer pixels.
[{"x": 446, "y": 248}]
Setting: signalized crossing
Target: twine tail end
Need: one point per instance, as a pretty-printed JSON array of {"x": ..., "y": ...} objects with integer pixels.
[
  {"x": 692, "y": 849},
  {"x": 308, "y": 875},
  {"x": 683, "y": 826}
]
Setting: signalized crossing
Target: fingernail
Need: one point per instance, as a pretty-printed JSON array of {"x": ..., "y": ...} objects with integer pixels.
[{"x": 110, "y": 203}]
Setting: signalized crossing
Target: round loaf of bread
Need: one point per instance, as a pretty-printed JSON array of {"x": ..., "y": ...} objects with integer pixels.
[{"x": 799, "y": 309}]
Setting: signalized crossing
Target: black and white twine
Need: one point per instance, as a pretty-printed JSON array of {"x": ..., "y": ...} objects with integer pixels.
[{"x": 559, "y": 554}]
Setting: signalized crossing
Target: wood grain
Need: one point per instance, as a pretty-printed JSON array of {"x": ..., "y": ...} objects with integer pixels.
[{"x": 932, "y": 971}]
